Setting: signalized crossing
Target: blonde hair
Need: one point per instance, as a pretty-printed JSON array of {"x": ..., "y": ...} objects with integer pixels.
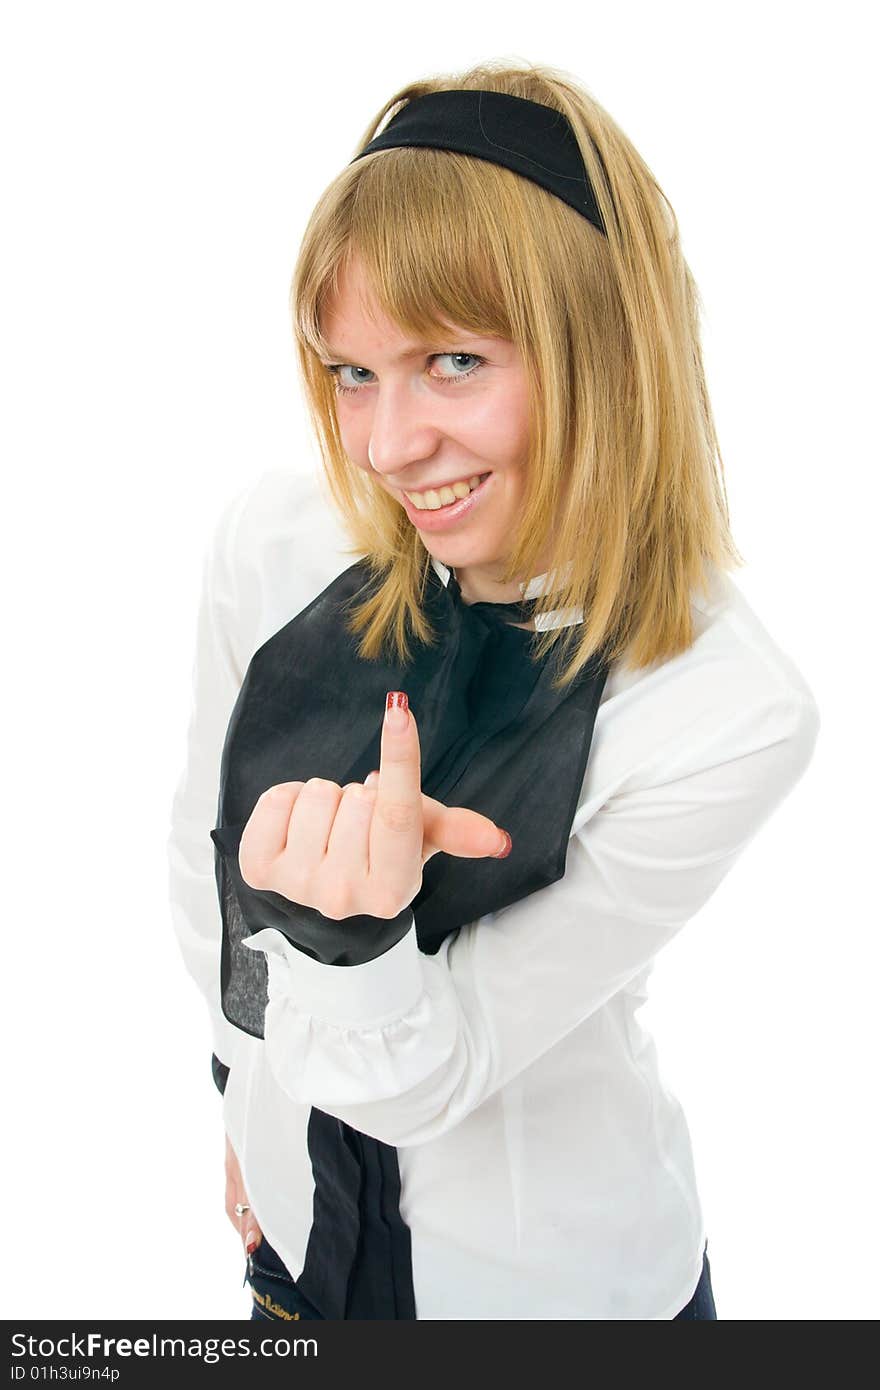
[{"x": 622, "y": 489}]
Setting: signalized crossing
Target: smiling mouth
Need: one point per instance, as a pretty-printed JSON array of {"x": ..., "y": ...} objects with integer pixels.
[{"x": 432, "y": 499}]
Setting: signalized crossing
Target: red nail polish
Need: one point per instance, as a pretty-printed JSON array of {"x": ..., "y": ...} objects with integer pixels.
[
  {"x": 508, "y": 847},
  {"x": 396, "y": 700},
  {"x": 252, "y": 1247}
]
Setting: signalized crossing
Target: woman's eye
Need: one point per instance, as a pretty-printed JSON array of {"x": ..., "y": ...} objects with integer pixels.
[
  {"x": 343, "y": 388},
  {"x": 457, "y": 356},
  {"x": 336, "y": 371}
]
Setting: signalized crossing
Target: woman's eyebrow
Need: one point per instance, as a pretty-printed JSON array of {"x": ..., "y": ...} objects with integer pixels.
[{"x": 416, "y": 351}]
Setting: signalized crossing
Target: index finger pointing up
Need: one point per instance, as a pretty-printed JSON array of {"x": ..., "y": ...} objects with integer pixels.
[{"x": 397, "y": 828}]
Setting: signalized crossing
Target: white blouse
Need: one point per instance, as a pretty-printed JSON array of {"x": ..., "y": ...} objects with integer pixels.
[{"x": 546, "y": 1172}]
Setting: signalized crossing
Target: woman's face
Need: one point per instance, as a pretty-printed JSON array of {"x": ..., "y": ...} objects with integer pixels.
[{"x": 416, "y": 416}]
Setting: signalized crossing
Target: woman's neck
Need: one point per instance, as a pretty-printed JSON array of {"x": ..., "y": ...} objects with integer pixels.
[{"x": 499, "y": 594}]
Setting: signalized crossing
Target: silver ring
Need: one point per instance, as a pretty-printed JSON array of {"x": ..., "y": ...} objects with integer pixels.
[{"x": 241, "y": 1208}]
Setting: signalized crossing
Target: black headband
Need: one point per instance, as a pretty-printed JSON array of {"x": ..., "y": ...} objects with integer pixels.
[{"x": 533, "y": 140}]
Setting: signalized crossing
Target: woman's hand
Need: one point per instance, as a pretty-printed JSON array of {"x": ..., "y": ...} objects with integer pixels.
[
  {"x": 246, "y": 1224},
  {"x": 358, "y": 849}
]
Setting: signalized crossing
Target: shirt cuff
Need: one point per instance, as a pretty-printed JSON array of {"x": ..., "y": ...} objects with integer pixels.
[{"x": 373, "y": 993}]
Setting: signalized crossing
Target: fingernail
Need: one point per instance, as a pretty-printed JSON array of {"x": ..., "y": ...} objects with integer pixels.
[
  {"x": 396, "y": 707},
  {"x": 251, "y": 1243},
  {"x": 506, "y": 847},
  {"x": 371, "y": 778}
]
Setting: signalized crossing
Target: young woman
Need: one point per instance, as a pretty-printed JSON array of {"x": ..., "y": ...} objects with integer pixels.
[{"x": 433, "y": 939}]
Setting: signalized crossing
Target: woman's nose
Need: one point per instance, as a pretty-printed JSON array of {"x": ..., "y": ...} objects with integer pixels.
[{"x": 402, "y": 432}]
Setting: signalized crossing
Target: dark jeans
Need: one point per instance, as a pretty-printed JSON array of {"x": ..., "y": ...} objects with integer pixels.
[
  {"x": 702, "y": 1305},
  {"x": 277, "y": 1298},
  {"x": 273, "y": 1290}
]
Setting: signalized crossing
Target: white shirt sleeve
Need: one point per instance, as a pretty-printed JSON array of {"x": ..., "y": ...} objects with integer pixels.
[
  {"x": 275, "y": 545},
  {"x": 405, "y": 1046},
  {"x": 217, "y": 675}
]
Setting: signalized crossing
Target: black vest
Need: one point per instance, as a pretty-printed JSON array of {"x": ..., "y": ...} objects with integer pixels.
[{"x": 495, "y": 738}]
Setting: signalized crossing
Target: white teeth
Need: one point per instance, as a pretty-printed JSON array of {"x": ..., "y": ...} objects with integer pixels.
[{"x": 431, "y": 500}]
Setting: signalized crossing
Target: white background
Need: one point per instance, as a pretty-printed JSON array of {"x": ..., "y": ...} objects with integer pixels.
[{"x": 159, "y": 163}]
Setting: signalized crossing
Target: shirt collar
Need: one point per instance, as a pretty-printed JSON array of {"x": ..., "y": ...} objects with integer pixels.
[{"x": 557, "y": 617}]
